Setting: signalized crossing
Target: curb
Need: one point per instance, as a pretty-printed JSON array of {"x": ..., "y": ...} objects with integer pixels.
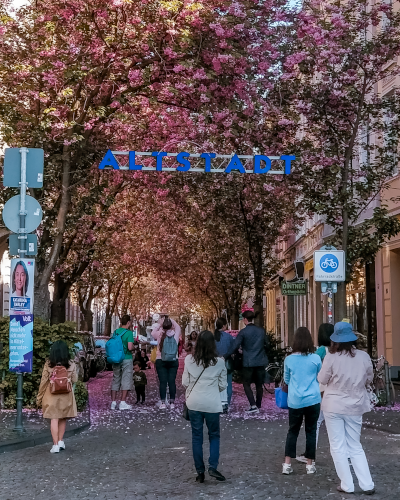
[
  {"x": 42, "y": 438},
  {"x": 382, "y": 429}
]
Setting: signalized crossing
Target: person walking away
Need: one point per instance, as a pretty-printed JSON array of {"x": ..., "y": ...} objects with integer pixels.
[
  {"x": 347, "y": 372},
  {"x": 167, "y": 335},
  {"x": 300, "y": 374},
  {"x": 123, "y": 372},
  {"x": 140, "y": 381},
  {"x": 325, "y": 331},
  {"x": 224, "y": 341},
  {"x": 204, "y": 377},
  {"x": 252, "y": 340},
  {"x": 58, "y": 371},
  {"x": 191, "y": 343}
]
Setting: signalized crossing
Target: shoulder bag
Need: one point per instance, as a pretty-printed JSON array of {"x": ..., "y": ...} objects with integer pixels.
[{"x": 185, "y": 412}]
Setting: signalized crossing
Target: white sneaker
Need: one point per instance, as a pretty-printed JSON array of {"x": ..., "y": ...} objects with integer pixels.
[
  {"x": 113, "y": 405},
  {"x": 61, "y": 445},
  {"x": 311, "y": 469},
  {"x": 55, "y": 449},
  {"x": 287, "y": 469},
  {"x": 124, "y": 406},
  {"x": 172, "y": 406},
  {"x": 162, "y": 406}
]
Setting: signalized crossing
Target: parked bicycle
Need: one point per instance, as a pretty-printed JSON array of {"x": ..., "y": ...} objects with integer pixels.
[
  {"x": 274, "y": 372},
  {"x": 382, "y": 385}
]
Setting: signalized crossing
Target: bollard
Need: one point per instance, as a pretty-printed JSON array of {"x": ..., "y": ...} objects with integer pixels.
[{"x": 387, "y": 384}]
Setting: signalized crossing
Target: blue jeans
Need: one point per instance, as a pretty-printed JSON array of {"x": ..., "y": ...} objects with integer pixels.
[{"x": 212, "y": 421}]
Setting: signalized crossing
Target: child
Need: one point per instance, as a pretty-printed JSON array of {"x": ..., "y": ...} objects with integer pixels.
[{"x": 140, "y": 381}]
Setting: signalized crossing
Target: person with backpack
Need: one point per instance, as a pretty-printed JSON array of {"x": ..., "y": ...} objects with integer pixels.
[
  {"x": 119, "y": 352},
  {"x": 55, "y": 395},
  {"x": 167, "y": 335}
]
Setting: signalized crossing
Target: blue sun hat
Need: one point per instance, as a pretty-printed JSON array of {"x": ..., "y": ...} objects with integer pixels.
[{"x": 343, "y": 332}]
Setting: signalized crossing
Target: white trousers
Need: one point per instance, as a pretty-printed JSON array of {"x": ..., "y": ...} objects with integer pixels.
[
  {"x": 321, "y": 418},
  {"x": 344, "y": 433}
]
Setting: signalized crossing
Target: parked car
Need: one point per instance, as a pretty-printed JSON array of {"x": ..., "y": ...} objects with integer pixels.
[{"x": 86, "y": 356}]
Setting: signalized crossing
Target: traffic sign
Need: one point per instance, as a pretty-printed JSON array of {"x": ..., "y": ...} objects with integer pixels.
[
  {"x": 34, "y": 167},
  {"x": 14, "y": 244},
  {"x": 329, "y": 265},
  {"x": 11, "y": 215}
]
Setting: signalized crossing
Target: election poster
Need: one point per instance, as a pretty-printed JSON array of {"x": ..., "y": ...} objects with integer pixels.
[
  {"x": 21, "y": 286},
  {"x": 21, "y": 343}
]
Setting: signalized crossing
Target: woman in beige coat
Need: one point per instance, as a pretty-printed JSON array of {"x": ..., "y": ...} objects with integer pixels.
[{"x": 57, "y": 407}]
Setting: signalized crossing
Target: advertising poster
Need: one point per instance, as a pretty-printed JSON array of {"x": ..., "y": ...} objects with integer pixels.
[
  {"x": 21, "y": 343},
  {"x": 21, "y": 286}
]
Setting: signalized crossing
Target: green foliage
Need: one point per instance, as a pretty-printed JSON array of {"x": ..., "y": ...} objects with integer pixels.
[
  {"x": 81, "y": 395},
  {"x": 43, "y": 336}
]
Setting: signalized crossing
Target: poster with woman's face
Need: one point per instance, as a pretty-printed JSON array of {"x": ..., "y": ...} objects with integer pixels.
[{"x": 21, "y": 297}]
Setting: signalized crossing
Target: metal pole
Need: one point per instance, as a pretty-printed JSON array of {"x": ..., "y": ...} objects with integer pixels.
[
  {"x": 387, "y": 384},
  {"x": 22, "y": 252}
]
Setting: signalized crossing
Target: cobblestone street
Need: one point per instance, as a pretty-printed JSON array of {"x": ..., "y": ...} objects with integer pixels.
[{"x": 146, "y": 453}]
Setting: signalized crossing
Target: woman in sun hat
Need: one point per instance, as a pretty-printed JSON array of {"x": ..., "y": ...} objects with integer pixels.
[{"x": 347, "y": 372}]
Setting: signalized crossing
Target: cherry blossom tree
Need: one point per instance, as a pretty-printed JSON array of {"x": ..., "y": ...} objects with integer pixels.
[{"x": 349, "y": 128}]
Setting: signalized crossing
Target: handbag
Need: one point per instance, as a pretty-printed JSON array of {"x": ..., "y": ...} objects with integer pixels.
[
  {"x": 185, "y": 411},
  {"x": 281, "y": 396}
]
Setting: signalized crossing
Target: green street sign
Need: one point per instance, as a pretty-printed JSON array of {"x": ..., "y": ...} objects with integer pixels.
[{"x": 294, "y": 287}]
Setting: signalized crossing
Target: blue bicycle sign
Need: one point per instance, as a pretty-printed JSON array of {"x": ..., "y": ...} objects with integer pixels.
[{"x": 329, "y": 263}]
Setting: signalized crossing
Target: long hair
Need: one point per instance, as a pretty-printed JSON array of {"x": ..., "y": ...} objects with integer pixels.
[
  {"x": 220, "y": 323},
  {"x": 20, "y": 263},
  {"x": 205, "y": 352},
  {"x": 303, "y": 342},
  {"x": 167, "y": 325},
  {"x": 324, "y": 334},
  {"x": 348, "y": 348},
  {"x": 59, "y": 354}
]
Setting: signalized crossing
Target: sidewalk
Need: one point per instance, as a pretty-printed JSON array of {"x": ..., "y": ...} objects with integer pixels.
[{"x": 37, "y": 429}]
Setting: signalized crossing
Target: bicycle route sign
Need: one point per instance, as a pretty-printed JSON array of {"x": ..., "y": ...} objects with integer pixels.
[{"x": 329, "y": 265}]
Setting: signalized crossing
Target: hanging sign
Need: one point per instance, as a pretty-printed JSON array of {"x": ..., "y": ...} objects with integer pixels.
[
  {"x": 21, "y": 288},
  {"x": 294, "y": 287},
  {"x": 196, "y": 162},
  {"x": 21, "y": 343}
]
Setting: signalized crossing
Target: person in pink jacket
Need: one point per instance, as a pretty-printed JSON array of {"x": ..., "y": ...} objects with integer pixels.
[{"x": 167, "y": 333}]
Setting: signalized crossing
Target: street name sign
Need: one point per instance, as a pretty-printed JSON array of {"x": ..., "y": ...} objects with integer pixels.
[{"x": 329, "y": 266}]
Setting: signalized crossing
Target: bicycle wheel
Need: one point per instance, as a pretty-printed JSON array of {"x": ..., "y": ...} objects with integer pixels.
[
  {"x": 271, "y": 374},
  {"x": 101, "y": 364}
]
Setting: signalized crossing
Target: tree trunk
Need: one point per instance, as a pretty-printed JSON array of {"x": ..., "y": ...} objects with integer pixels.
[
  {"x": 258, "y": 288},
  {"x": 87, "y": 324},
  {"x": 41, "y": 307},
  {"x": 107, "y": 325},
  {"x": 234, "y": 314},
  {"x": 61, "y": 290}
]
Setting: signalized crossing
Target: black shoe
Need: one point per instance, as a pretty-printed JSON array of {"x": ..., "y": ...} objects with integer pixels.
[
  {"x": 367, "y": 492},
  {"x": 253, "y": 409},
  {"x": 137, "y": 402},
  {"x": 218, "y": 476},
  {"x": 225, "y": 409},
  {"x": 200, "y": 477}
]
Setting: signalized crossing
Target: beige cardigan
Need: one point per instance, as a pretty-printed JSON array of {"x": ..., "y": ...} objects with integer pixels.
[
  {"x": 346, "y": 379},
  {"x": 205, "y": 394},
  {"x": 56, "y": 405}
]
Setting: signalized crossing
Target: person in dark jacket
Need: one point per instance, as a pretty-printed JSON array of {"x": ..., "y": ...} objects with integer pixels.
[{"x": 252, "y": 340}]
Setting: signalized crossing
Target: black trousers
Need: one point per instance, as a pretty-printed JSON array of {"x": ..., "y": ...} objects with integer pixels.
[
  {"x": 253, "y": 374},
  {"x": 140, "y": 392},
  {"x": 296, "y": 415},
  {"x": 166, "y": 371}
]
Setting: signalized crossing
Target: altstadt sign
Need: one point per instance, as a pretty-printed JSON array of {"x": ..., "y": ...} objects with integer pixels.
[{"x": 196, "y": 162}]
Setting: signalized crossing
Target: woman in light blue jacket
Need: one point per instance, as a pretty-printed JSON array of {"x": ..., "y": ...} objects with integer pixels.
[{"x": 304, "y": 398}]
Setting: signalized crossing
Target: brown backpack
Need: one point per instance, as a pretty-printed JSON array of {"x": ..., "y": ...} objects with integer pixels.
[{"x": 60, "y": 383}]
